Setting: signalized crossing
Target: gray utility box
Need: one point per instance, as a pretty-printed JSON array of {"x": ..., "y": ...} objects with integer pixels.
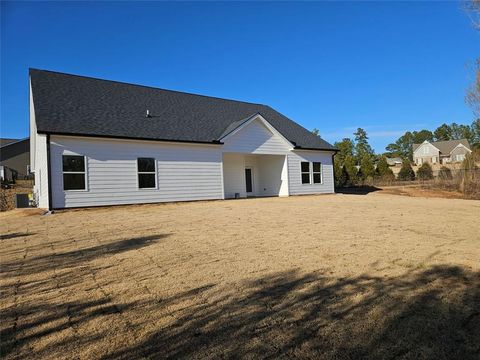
[{"x": 22, "y": 201}]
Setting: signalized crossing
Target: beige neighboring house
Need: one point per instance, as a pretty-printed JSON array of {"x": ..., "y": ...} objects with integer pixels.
[
  {"x": 441, "y": 152},
  {"x": 396, "y": 161}
]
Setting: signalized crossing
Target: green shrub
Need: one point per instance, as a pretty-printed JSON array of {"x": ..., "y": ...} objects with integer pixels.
[
  {"x": 406, "y": 172},
  {"x": 425, "y": 172},
  {"x": 388, "y": 177}
]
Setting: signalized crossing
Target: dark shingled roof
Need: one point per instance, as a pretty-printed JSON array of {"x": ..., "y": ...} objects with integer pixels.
[
  {"x": 77, "y": 105},
  {"x": 4, "y": 141}
]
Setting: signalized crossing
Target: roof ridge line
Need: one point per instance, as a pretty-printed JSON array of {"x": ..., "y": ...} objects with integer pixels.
[{"x": 145, "y": 86}]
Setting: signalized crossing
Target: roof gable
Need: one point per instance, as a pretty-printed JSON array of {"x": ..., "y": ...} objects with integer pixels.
[
  {"x": 256, "y": 136},
  {"x": 76, "y": 105}
]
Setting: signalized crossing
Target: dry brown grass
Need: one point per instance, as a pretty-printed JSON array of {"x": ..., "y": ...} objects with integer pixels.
[{"x": 341, "y": 276}]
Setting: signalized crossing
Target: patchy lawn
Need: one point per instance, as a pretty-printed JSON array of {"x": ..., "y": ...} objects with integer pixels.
[{"x": 330, "y": 277}]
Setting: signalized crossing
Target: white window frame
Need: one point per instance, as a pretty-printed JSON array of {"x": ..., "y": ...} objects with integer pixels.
[
  {"x": 84, "y": 172},
  {"x": 147, "y": 172},
  {"x": 311, "y": 172},
  {"x": 426, "y": 149},
  {"x": 317, "y": 172},
  {"x": 305, "y": 172}
]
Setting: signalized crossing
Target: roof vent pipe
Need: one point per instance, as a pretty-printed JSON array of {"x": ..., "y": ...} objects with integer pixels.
[{"x": 148, "y": 114}]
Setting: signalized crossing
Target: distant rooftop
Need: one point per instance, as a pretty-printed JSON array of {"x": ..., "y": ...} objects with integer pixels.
[
  {"x": 446, "y": 147},
  {"x": 5, "y": 141}
]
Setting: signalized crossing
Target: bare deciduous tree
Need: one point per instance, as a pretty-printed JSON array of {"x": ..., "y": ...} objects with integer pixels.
[
  {"x": 472, "y": 8},
  {"x": 473, "y": 93},
  {"x": 472, "y": 98}
]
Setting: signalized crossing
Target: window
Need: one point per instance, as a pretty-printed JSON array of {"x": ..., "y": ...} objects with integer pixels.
[
  {"x": 311, "y": 172},
  {"x": 460, "y": 157},
  {"x": 73, "y": 172},
  {"x": 305, "y": 172},
  {"x": 317, "y": 172},
  {"x": 147, "y": 178},
  {"x": 426, "y": 149}
]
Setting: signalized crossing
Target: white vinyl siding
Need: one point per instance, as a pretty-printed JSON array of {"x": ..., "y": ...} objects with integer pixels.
[
  {"x": 41, "y": 171},
  {"x": 295, "y": 158},
  {"x": 38, "y": 160},
  {"x": 234, "y": 175},
  {"x": 184, "y": 171},
  {"x": 255, "y": 138}
]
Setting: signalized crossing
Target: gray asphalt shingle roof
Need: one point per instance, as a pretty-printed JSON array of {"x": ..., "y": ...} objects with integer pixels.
[
  {"x": 5, "y": 141},
  {"x": 77, "y": 105},
  {"x": 447, "y": 146}
]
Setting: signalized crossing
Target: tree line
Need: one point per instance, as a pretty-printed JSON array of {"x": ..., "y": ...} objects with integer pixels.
[
  {"x": 356, "y": 162},
  {"x": 404, "y": 144}
]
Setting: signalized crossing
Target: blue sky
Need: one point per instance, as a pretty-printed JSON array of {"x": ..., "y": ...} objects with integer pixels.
[{"x": 385, "y": 66}]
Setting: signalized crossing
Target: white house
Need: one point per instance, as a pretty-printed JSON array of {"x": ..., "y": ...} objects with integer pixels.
[
  {"x": 441, "y": 152},
  {"x": 98, "y": 142}
]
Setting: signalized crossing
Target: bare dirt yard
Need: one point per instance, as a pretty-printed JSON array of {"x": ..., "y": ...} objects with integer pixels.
[{"x": 375, "y": 276}]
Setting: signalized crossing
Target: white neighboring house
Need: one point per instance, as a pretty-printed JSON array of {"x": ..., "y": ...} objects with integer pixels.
[
  {"x": 98, "y": 142},
  {"x": 441, "y": 152}
]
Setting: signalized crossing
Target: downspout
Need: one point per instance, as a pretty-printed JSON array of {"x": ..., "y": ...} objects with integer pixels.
[
  {"x": 49, "y": 174},
  {"x": 333, "y": 170}
]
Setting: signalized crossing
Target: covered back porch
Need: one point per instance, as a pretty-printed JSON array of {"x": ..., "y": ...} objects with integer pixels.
[{"x": 246, "y": 175}]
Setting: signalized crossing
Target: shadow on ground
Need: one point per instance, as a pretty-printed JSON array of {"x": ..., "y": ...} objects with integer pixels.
[
  {"x": 431, "y": 314},
  {"x": 424, "y": 314},
  {"x": 76, "y": 257},
  {"x": 357, "y": 190},
  {"x": 15, "y": 235}
]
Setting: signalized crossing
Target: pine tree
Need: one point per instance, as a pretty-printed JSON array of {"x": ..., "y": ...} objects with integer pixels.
[
  {"x": 406, "y": 172},
  {"x": 344, "y": 179},
  {"x": 383, "y": 171},
  {"x": 352, "y": 171},
  {"x": 367, "y": 168}
]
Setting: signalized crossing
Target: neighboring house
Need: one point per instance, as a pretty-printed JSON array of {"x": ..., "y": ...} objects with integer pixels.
[
  {"x": 442, "y": 152},
  {"x": 98, "y": 142},
  {"x": 14, "y": 158},
  {"x": 397, "y": 161}
]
